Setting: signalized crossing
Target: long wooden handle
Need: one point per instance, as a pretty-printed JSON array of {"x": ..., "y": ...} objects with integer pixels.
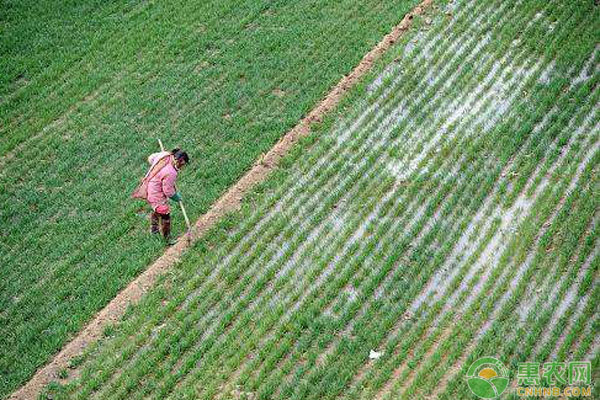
[{"x": 185, "y": 216}]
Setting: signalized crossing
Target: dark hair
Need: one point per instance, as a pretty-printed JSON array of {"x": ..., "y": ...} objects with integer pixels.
[{"x": 180, "y": 155}]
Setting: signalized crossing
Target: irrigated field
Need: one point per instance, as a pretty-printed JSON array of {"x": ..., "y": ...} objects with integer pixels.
[
  {"x": 448, "y": 211},
  {"x": 87, "y": 87}
]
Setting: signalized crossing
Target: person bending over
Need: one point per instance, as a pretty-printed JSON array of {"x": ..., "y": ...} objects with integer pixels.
[{"x": 162, "y": 175}]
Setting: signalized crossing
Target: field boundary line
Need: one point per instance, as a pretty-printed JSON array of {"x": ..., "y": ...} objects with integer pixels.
[{"x": 227, "y": 203}]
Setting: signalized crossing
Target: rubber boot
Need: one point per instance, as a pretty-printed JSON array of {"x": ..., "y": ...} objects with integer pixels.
[
  {"x": 166, "y": 229},
  {"x": 154, "y": 217}
]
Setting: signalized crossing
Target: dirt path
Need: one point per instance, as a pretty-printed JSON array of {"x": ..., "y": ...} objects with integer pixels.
[{"x": 229, "y": 202}]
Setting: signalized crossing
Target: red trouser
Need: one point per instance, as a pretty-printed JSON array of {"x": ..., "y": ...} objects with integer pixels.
[{"x": 165, "y": 220}]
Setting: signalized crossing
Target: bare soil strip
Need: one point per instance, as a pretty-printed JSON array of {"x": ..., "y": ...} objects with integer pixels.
[{"x": 229, "y": 202}]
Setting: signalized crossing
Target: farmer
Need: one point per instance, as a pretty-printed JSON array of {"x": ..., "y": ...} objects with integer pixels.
[{"x": 160, "y": 182}]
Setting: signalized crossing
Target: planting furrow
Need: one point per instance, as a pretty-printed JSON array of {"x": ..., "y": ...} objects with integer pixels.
[{"x": 526, "y": 263}]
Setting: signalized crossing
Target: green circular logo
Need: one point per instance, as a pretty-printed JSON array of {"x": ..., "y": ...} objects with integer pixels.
[{"x": 487, "y": 378}]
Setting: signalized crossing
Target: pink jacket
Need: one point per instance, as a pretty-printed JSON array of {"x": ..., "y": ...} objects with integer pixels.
[{"x": 162, "y": 185}]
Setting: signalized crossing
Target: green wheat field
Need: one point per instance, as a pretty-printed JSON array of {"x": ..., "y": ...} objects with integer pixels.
[{"x": 448, "y": 209}]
